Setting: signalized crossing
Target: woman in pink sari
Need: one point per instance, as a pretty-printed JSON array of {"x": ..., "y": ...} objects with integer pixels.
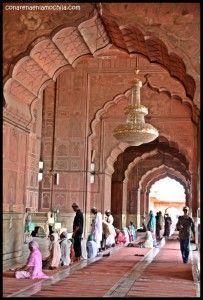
[{"x": 33, "y": 268}]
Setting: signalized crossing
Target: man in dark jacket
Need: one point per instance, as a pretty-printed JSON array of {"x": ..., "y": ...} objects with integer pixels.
[
  {"x": 77, "y": 231},
  {"x": 185, "y": 225}
]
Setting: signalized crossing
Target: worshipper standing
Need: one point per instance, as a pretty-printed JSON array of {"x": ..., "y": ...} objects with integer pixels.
[
  {"x": 152, "y": 222},
  {"x": 96, "y": 230},
  {"x": 92, "y": 248},
  {"x": 109, "y": 218},
  {"x": 167, "y": 225},
  {"x": 105, "y": 235},
  {"x": 53, "y": 260},
  {"x": 159, "y": 225},
  {"x": 144, "y": 225},
  {"x": 185, "y": 225},
  {"x": 132, "y": 231},
  {"x": 65, "y": 245},
  {"x": 109, "y": 234},
  {"x": 151, "y": 226},
  {"x": 77, "y": 231},
  {"x": 33, "y": 268}
]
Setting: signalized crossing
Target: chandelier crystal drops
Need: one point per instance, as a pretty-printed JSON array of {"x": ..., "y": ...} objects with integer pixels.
[{"x": 135, "y": 131}]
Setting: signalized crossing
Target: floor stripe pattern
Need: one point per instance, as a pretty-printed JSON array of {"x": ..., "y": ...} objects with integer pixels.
[
  {"x": 127, "y": 272},
  {"x": 96, "y": 279},
  {"x": 166, "y": 276}
]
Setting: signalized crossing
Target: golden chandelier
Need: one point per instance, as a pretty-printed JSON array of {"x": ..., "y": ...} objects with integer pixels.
[{"x": 135, "y": 131}]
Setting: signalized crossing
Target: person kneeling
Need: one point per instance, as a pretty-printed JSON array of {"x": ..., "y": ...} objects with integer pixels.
[
  {"x": 65, "y": 245},
  {"x": 92, "y": 248},
  {"x": 33, "y": 268},
  {"x": 53, "y": 260}
]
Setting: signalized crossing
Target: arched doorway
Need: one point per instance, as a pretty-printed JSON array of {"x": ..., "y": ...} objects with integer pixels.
[{"x": 168, "y": 196}]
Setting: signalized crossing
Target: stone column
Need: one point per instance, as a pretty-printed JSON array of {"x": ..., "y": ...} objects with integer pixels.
[
  {"x": 124, "y": 204},
  {"x": 147, "y": 202},
  {"x": 142, "y": 203},
  {"x": 194, "y": 195},
  {"x": 116, "y": 202},
  {"x": 134, "y": 207},
  {"x": 138, "y": 207},
  {"x": 187, "y": 199}
]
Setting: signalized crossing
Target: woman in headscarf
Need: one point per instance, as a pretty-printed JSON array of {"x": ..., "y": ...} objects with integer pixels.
[
  {"x": 151, "y": 226},
  {"x": 33, "y": 268},
  {"x": 65, "y": 245},
  {"x": 53, "y": 260},
  {"x": 132, "y": 231}
]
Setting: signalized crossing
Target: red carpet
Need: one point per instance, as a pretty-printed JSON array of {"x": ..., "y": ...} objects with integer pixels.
[
  {"x": 166, "y": 276},
  {"x": 96, "y": 279}
]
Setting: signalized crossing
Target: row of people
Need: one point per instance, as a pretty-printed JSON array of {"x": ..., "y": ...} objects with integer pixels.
[
  {"x": 33, "y": 268},
  {"x": 105, "y": 234},
  {"x": 60, "y": 254}
]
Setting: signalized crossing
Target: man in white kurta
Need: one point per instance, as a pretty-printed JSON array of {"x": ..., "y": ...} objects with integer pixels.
[
  {"x": 109, "y": 218},
  {"x": 97, "y": 227}
]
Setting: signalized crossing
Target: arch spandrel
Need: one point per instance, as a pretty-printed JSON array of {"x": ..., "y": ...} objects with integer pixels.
[{"x": 33, "y": 70}]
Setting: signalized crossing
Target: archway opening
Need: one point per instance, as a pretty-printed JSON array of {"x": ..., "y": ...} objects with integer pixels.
[{"x": 168, "y": 196}]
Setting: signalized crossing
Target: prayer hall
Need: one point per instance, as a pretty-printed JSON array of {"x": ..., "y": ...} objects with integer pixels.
[{"x": 101, "y": 150}]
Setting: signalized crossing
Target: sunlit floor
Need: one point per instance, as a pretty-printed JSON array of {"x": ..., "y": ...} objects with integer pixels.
[{"x": 127, "y": 272}]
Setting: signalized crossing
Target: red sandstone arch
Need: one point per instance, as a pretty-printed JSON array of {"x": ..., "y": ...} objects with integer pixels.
[
  {"x": 69, "y": 44},
  {"x": 177, "y": 164},
  {"x": 137, "y": 160},
  {"x": 161, "y": 172},
  {"x": 151, "y": 176},
  {"x": 161, "y": 176},
  {"x": 140, "y": 178},
  {"x": 48, "y": 56},
  {"x": 163, "y": 169},
  {"x": 121, "y": 147},
  {"x": 145, "y": 153}
]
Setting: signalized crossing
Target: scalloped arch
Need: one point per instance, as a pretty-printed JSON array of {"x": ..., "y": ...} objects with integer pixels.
[
  {"x": 148, "y": 177},
  {"x": 140, "y": 158},
  {"x": 48, "y": 55},
  {"x": 164, "y": 175},
  {"x": 121, "y": 147}
]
